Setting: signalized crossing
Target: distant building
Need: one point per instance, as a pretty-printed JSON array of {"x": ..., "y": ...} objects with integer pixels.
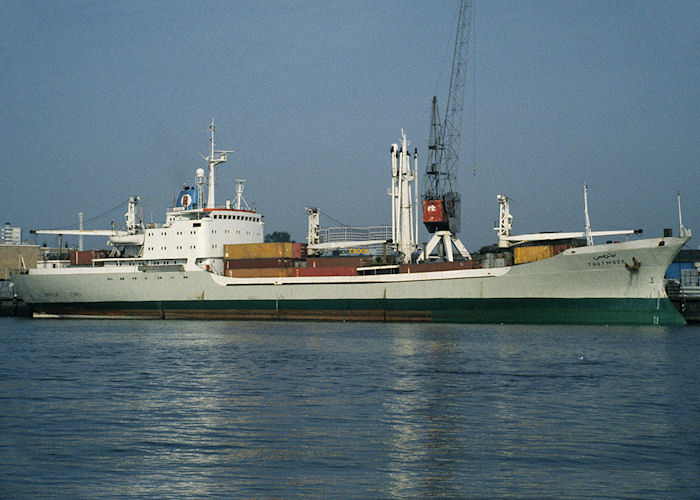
[
  {"x": 349, "y": 233},
  {"x": 686, "y": 259},
  {"x": 11, "y": 235},
  {"x": 17, "y": 258},
  {"x": 379, "y": 232}
]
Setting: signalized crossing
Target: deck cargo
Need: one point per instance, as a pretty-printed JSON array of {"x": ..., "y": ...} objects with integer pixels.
[
  {"x": 261, "y": 272},
  {"x": 439, "y": 266},
  {"x": 523, "y": 255},
  {"x": 259, "y": 263},
  {"x": 561, "y": 247},
  {"x": 283, "y": 250},
  {"x": 325, "y": 271},
  {"x": 338, "y": 261},
  {"x": 85, "y": 257}
]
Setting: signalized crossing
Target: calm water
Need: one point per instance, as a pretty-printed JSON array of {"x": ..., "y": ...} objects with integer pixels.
[{"x": 255, "y": 409}]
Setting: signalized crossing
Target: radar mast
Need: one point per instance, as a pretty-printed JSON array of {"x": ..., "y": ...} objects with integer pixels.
[{"x": 213, "y": 161}]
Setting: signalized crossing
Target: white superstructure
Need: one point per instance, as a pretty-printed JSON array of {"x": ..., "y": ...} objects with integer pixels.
[{"x": 193, "y": 235}]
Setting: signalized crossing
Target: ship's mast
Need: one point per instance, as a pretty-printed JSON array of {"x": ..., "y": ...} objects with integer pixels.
[
  {"x": 403, "y": 207},
  {"x": 683, "y": 231},
  {"x": 589, "y": 234},
  {"x": 213, "y": 162},
  {"x": 133, "y": 223},
  {"x": 239, "y": 201},
  {"x": 313, "y": 235},
  {"x": 200, "y": 180},
  {"x": 505, "y": 221}
]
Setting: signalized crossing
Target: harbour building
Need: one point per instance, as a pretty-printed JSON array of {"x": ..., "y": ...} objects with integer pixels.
[
  {"x": 340, "y": 234},
  {"x": 11, "y": 235}
]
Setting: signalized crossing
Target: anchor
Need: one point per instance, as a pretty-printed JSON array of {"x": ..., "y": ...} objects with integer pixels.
[{"x": 635, "y": 265}]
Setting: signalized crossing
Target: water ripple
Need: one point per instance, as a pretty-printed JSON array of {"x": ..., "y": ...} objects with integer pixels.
[{"x": 270, "y": 410}]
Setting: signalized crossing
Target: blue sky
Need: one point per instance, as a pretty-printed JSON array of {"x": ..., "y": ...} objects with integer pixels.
[{"x": 103, "y": 100}]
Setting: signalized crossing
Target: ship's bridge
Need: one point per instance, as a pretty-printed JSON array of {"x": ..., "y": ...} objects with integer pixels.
[{"x": 202, "y": 233}]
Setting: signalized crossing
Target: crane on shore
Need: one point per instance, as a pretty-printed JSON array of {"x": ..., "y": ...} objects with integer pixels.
[{"x": 442, "y": 201}]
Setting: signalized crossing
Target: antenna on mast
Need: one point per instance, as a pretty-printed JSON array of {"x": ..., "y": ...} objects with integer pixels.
[{"x": 213, "y": 162}]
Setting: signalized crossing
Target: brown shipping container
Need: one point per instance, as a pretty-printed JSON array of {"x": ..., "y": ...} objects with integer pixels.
[
  {"x": 269, "y": 272},
  {"x": 300, "y": 250},
  {"x": 338, "y": 261},
  {"x": 434, "y": 211},
  {"x": 82, "y": 257},
  {"x": 523, "y": 255},
  {"x": 557, "y": 249},
  {"x": 325, "y": 271},
  {"x": 439, "y": 266},
  {"x": 258, "y": 263},
  {"x": 264, "y": 251}
]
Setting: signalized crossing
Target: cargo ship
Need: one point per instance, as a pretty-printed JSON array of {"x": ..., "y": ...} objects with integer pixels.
[{"x": 209, "y": 261}]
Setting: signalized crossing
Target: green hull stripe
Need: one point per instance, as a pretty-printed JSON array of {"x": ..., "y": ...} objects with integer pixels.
[{"x": 534, "y": 311}]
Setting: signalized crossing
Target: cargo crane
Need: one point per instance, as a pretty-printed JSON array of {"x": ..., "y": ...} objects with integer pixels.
[{"x": 441, "y": 200}]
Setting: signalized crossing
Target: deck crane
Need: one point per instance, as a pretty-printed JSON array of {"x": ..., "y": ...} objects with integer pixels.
[{"x": 441, "y": 200}]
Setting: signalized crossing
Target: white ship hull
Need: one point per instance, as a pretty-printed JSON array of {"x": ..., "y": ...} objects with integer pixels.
[{"x": 596, "y": 284}]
